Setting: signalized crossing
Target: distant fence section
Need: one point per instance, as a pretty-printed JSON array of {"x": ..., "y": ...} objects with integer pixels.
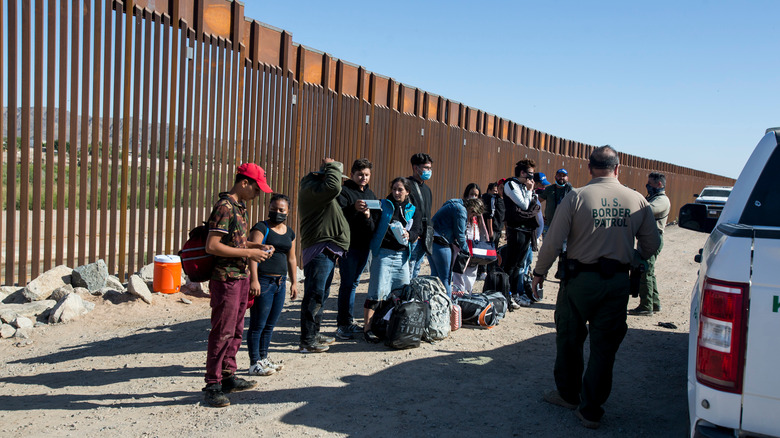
[{"x": 125, "y": 119}]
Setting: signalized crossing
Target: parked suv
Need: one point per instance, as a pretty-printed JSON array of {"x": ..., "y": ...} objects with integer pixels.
[
  {"x": 734, "y": 354},
  {"x": 714, "y": 197}
]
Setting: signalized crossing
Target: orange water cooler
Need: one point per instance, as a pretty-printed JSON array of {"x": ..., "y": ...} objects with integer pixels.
[{"x": 167, "y": 274}]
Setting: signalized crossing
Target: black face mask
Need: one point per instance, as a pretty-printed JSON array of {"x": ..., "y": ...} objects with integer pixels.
[
  {"x": 276, "y": 217},
  {"x": 652, "y": 191}
]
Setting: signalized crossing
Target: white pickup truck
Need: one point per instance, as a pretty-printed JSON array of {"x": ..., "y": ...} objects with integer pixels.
[{"x": 734, "y": 353}]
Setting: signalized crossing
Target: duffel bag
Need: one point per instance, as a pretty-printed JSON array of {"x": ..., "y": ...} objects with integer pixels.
[{"x": 477, "y": 310}]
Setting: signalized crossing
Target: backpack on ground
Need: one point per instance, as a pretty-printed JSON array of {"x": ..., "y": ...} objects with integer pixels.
[
  {"x": 431, "y": 290},
  {"x": 378, "y": 320},
  {"x": 195, "y": 261},
  {"x": 499, "y": 302},
  {"x": 477, "y": 310},
  {"x": 406, "y": 325},
  {"x": 498, "y": 280}
]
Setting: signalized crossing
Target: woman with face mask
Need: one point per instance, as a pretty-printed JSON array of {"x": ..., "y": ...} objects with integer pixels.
[
  {"x": 267, "y": 284},
  {"x": 397, "y": 223},
  {"x": 475, "y": 230}
]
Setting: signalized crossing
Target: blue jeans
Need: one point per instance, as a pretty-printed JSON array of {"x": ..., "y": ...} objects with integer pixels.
[
  {"x": 351, "y": 266},
  {"x": 263, "y": 316},
  {"x": 416, "y": 258},
  {"x": 316, "y": 288},
  {"x": 441, "y": 265},
  {"x": 389, "y": 271}
]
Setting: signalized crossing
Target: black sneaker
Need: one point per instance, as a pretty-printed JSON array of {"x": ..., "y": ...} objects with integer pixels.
[
  {"x": 656, "y": 309},
  {"x": 640, "y": 312},
  {"x": 344, "y": 333},
  {"x": 325, "y": 340},
  {"x": 313, "y": 348},
  {"x": 214, "y": 396},
  {"x": 236, "y": 384},
  {"x": 370, "y": 337}
]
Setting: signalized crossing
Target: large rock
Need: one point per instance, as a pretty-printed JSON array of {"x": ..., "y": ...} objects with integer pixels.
[
  {"x": 30, "y": 310},
  {"x": 114, "y": 283},
  {"x": 23, "y": 333},
  {"x": 138, "y": 287},
  {"x": 42, "y": 287},
  {"x": 23, "y": 322},
  {"x": 92, "y": 276},
  {"x": 8, "y": 316},
  {"x": 61, "y": 292},
  {"x": 146, "y": 273},
  {"x": 7, "y": 331},
  {"x": 68, "y": 309}
]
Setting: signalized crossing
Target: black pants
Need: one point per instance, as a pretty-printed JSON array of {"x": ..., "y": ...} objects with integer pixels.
[
  {"x": 517, "y": 242},
  {"x": 600, "y": 303}
]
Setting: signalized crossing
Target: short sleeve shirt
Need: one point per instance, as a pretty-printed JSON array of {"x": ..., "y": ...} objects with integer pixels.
[{"x": 230, "y": 218}]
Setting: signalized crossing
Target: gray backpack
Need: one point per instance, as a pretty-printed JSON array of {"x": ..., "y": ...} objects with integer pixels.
[{"x": 431, "y": 290}]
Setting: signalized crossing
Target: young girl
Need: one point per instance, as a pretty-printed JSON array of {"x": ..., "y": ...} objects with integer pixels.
[
  {"x": 390, "y": 248},
  {"x": 267, "y": 284}
]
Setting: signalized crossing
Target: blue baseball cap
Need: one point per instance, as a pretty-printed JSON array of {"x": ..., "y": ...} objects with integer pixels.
[
  {"x": 541, "y": 178},
  {"x": 562, "y": 170}
]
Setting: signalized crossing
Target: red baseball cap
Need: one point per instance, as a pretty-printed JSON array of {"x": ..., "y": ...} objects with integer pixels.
[{"x": 255, "y": 172}]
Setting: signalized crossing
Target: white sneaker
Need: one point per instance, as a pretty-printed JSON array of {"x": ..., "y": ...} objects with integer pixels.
[
  {"x": 524, "y": 301},
  {"x": 513, "y": 304},
  {"x": 262, "y": 367},
  {"x": 277, "y": 366}
]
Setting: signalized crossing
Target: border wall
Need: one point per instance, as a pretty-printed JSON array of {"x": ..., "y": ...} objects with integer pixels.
[{"x": 157, "y": 102}]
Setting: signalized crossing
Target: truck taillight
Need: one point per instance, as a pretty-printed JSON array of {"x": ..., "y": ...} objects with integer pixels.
[{"x": 721, "y": 342}]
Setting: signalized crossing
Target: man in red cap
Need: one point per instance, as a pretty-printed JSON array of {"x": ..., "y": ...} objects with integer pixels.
[{"x": 229, "y": 284}]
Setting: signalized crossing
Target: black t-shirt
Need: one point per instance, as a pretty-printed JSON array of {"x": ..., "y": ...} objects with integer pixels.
[{"x": 282, "y": 243}]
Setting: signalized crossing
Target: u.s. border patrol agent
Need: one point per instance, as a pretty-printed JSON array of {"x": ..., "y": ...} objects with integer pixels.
[{"x": 600, "y": 222}]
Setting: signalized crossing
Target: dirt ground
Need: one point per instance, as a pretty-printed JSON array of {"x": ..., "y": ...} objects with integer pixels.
[{"x": 132, "y": 369}]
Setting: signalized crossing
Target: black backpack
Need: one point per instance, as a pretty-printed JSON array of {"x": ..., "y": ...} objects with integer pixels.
[
  {"x": 498, "y": 280},
  {"x": 378, "y": 321},
  {"x": 408, "y": 321}
]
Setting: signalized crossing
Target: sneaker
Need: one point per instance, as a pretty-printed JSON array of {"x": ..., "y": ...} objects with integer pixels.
[
  {"x": 354, "y": 328},
  {"x": 513, "y": 304},
  {"x": 275, "y": 365},
  {"x": 236, "y": 384},
  {"x": 262, "y": 368},
  {"x": 656, "y": 309},
  {"x": 524, "y": 301},
  {"x": 325, "y": 340},
  {"x": 214, "y": 396},
  {"x": 370, "y": 337},
  {"x": 640, "y": 312},
  {"x": 554, "y": 397},
  {"x": 344, "y": 333},
  {"x": 590, "y": 424},
  {"x": 313, "y": 348}
]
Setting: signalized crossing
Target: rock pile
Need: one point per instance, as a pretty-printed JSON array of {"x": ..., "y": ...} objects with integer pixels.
[{"x": 58, "y": 296}]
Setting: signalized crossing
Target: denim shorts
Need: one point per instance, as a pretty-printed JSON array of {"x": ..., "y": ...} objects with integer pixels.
[{"x": 389, "y": 271}]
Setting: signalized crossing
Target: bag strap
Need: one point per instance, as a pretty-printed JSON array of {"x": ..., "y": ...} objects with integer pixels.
[
  {"x": 265, "y": 235},
  {"x": 419, "y": 194}
]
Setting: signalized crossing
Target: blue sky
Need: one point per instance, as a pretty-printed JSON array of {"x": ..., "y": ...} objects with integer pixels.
[{"x": 694, "y": 83}]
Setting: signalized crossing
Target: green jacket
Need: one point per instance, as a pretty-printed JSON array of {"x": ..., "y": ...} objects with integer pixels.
[
  {"x": 321, "y": 218},
  {"x": 553, "y": 195}
]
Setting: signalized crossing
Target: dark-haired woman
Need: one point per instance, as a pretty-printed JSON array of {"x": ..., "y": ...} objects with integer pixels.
[
  {"x": 449, "y": 226},
  {"x": 398, "y": 224},
  {"x": 268, "y": 282}
]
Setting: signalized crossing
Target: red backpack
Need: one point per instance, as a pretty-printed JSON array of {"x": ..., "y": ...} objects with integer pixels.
[{"x": 195, "y": 261}]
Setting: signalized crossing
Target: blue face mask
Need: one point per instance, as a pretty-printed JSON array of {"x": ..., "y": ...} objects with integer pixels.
[{"x": 426, "y": 175}]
